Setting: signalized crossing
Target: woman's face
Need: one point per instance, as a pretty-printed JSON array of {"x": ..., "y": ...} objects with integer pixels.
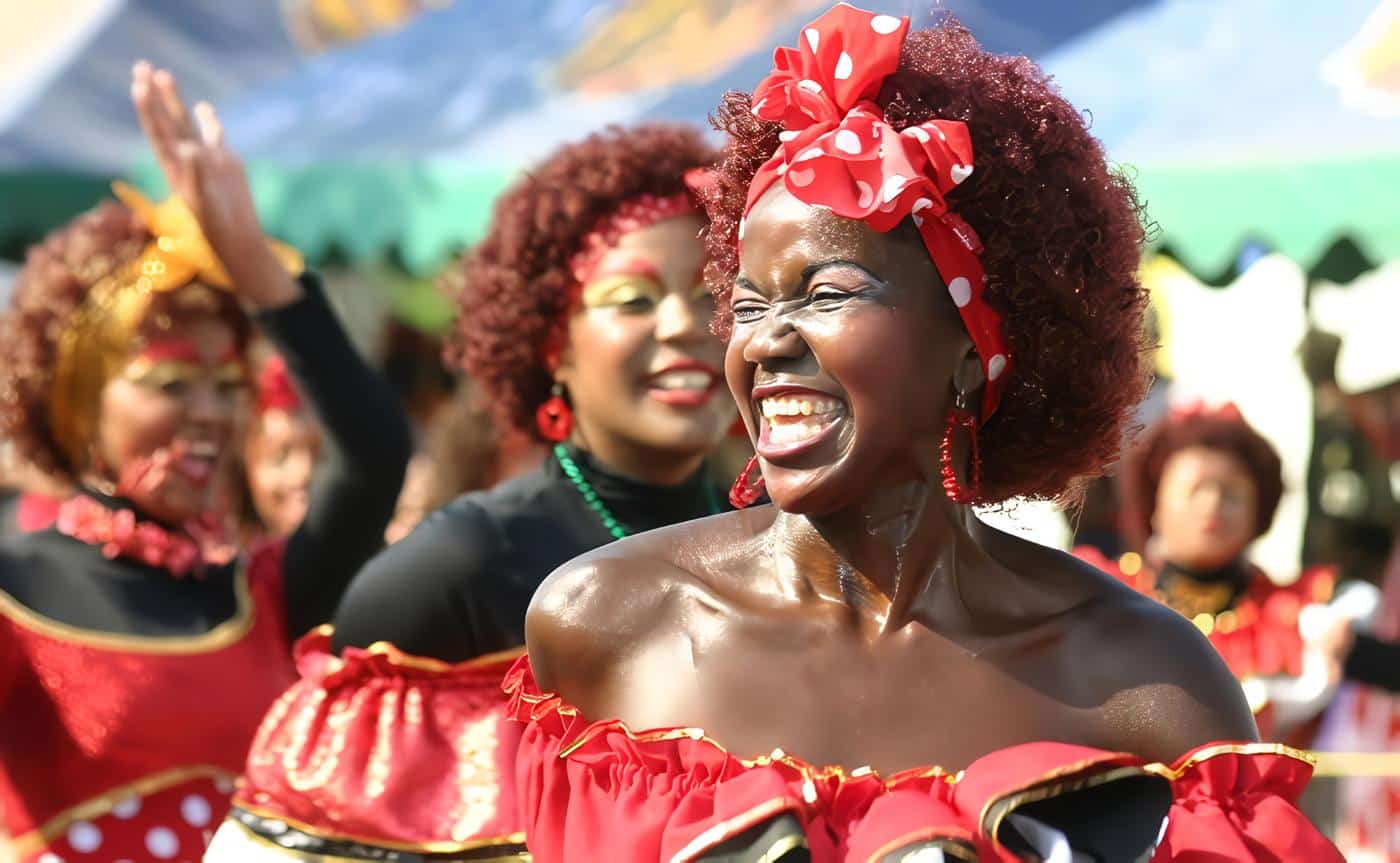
[
  {"x": 842, "y": 354},
  {"x": 1205, "y": 514},
  {"x": 642, "y": 368},
  {"x": 280, "y": 453},
  {"x": 166, "y": 418}
]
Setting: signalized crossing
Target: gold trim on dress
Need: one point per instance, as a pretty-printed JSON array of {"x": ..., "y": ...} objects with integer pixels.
[
  {"x": 40, "y": 837},
  {"x": 217, "y": 638},
  {"x": 433, "y": 847},
  {"x": 424, "y": 663},
  {"x": 1177, "y": 771},
  {"x": 298, "y": 856},
  {"x": 948, "y": 841},
  {"x": 731, "y": 827}
]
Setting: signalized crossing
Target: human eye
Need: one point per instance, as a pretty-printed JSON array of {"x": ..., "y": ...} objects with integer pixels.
[
  {"x": 627, "y": 293},
  {"x": 747, "y": 311}
]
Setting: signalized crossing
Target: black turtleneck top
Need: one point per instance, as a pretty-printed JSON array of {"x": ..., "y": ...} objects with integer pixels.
[
  {"x": 367, "y": 446},
  {"x": 459, "y": 585}
]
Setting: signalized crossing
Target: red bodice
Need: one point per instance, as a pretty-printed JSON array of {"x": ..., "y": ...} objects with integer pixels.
[
  {"x": 598, "y": 790},
  {"x": 380, "y": 748},
  {"x": 124, "y": 747}
]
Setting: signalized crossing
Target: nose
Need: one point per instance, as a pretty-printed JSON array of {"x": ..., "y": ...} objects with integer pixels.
[
  {"x": 774, "y": 338},
  {"x": 210, "y": 405},
  {"x": 678, "y": 319}
]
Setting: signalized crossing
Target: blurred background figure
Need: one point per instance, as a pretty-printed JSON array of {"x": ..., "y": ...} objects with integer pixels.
[{"x": 279, "y": 451}]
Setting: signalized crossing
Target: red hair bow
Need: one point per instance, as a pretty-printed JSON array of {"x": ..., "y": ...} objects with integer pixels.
[
  {"x": 275, "y": 388},
  {"x": 837, "y": 151},
  {"x": 1198, "y": 409}
]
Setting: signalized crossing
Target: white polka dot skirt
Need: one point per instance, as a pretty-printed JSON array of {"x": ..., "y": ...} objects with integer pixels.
[{"x": 173, "y": 825}]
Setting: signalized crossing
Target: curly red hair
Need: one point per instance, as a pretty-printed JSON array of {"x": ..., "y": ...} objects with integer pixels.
[
  {"x": 1062, "y": 236},
  {"x": 1141, "y": 471},
  {"x": 57, "y": 275},
  {"x": 516, "y": 285}
]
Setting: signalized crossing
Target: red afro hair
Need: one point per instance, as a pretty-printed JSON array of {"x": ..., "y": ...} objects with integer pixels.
[
  {"x": 1227, "y": 432},
  {"x": 516, "y": 285},
  {"x": 1062, "y": 237}
]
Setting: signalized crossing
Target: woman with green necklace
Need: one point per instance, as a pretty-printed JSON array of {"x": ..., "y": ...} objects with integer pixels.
[{"x": 585, "y": 319}]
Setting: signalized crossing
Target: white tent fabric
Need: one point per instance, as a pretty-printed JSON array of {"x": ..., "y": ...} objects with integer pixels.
[{"x": 1241, "y": 344}]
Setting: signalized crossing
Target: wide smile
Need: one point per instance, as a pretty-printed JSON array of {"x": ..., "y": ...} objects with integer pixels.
[
  {"x": 196, "y": 461},
  {"x": 793, "y": 420},
  {"x": 685, "y": 385}
]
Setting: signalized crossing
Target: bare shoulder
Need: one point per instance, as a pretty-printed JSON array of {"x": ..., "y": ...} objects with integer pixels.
[
  {"x": 594, "y": 611},
  {"x": 1165, "y": 690}
]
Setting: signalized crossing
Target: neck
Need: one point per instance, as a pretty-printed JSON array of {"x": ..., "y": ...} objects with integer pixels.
[
  {"x": 901, "y": 546},
  {"x": 648, "y": 464}
]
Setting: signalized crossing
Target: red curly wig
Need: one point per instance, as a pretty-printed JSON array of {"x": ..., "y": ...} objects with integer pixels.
[
  {"x": 1062, "y": 236},
  {"x": 515, "y": 287},
  {"x": 1227, "y": 432},
  {"x": 56, "y": 277}
]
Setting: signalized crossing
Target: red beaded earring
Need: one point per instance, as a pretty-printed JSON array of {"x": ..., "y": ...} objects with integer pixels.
[
  {"x": 746, "y": 490},
  {"x": 961, "y": 417},
  {"x": 554, "y": 418}
]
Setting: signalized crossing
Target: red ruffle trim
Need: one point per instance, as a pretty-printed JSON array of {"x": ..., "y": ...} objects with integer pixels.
[
  {"x": 387, "y": 749},
  {"x": 589, "y": 788}
]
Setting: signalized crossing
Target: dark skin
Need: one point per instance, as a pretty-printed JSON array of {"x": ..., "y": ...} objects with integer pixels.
[{"x": 864, "y": 596}]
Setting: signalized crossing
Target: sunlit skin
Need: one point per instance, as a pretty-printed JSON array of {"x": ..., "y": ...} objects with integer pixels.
[
  {"x": 864, "y": 597},
  {"x": 279, "y": 454},
  {"x": 1206, "y": 509},
  {"x": 643, "y": 330},
  {"x": 167, "y": 419}
]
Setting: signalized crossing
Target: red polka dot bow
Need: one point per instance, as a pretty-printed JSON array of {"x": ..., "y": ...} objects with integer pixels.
[{"x": 837, "y": 151}]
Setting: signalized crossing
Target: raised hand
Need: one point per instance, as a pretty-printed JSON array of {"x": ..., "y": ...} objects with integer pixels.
[{"x": 189, "y": 146}]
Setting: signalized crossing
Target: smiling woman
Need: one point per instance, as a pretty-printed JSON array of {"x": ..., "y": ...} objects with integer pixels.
[
  {"x": 586, "y": 323},
  {"x": 139, "y": 642},
  {"x": 927, "y": 276}
]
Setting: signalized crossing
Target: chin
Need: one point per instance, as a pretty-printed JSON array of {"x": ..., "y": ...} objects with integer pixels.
[{"x": 807, "y": 492}]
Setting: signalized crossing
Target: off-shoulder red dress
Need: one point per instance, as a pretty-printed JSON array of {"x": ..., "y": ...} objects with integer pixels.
[{"x": 600, "y": 791}]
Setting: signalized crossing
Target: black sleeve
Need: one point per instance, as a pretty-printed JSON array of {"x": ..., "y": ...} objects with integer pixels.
[
  {"x": 1374, "y": 662},
  {"x": 417, "y": 594},
  {"x": 366, "y": 451}
]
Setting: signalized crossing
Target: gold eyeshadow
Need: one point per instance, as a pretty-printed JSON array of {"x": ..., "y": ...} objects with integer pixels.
[
  {"x": 619, "y": 290},
  {"x": 159, "y": 374}
]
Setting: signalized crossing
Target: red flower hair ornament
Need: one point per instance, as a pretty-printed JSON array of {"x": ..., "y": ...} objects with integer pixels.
[{"x": 838, "y": 152}]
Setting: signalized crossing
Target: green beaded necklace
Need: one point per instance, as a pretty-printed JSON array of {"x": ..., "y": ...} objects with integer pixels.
[{"x": 595, "y": 502}]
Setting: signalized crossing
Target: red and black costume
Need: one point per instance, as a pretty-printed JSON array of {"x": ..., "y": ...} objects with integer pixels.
[
  {"x": 131, "y": 688},
  {"x": 599, "y": 790}
]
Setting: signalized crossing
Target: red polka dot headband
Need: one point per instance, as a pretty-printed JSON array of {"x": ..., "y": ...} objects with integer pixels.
[{"x": 838, "y": 152}]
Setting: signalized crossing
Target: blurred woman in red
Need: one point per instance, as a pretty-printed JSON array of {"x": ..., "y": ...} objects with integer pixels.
[{"x": 139, "y": 646}]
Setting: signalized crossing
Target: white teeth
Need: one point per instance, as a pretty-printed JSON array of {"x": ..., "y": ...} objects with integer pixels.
[
  {"x": 687, "y": 380},
  {"x": 794, "y": 431},
  {"x": 804, "y": 406}
]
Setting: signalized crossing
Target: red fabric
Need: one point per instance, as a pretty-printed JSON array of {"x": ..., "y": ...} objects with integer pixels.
[
  {"x": 1240, "y": 807},
  {"x": 378, "y": 746},
  {"x": 36, "y": 512},
  {"x": 670, "y": 794},
  {"x": 88, "y": 715},
  {"x": 275, "y": 388},
  {"x": 839, "y": 152},
  {"x": 1261, "y": 637}
]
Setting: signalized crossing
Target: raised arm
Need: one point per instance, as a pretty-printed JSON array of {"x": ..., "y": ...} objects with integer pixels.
[{"x": 368, "y": 442}]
